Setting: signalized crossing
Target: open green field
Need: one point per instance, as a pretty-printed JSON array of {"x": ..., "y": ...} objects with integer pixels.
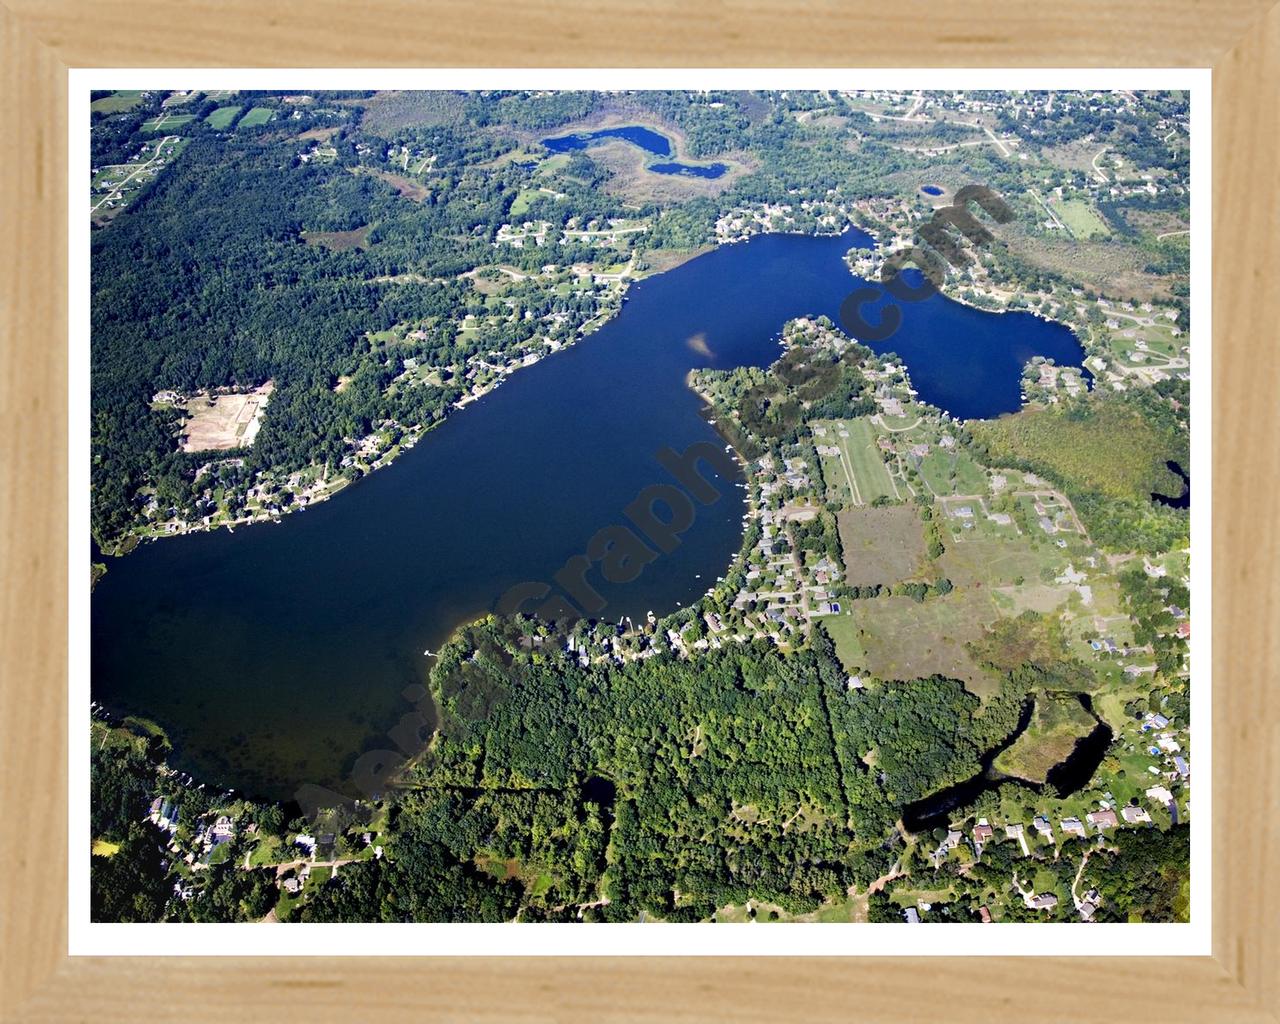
[
  {"x": 1081, "y": 219},
  {"x": 117, "y": 102},
  {"x": 554, "y": 163},
  {"x": 257, "y": 116},
  {"x": 520, "y": 205},
  {"x": 952, "y": 472},
  {"x": 881, "y": 545},
  {"x": 864, "y": 470},
  {"x": 906, "y": 639},
  {"x": 167, "y": 122},
  {"x": 222, "y": 117},
  {"x": 844, "y": 634},
  {"x": 1057, "y": 724}
]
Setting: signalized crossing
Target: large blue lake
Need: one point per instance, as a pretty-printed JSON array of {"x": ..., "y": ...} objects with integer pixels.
[{"x": 274, "y": 655}]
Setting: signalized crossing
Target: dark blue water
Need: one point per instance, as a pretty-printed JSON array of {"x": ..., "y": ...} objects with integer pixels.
[
  {"x": 273, "y": 655},
  {"x": 690, "y": 170},
  {"x": 963, "y": 359},
  {"x": 931, "y": 190},
  {"x": 647, "y": 139}
]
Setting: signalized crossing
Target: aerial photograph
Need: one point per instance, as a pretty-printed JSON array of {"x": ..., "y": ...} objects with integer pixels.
[{"x": 628, "y": 506}]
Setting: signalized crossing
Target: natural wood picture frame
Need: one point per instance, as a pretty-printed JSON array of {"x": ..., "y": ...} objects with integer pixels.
[{"x": 41, "y": 39}]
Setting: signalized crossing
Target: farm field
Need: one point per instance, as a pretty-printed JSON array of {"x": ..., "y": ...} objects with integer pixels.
[
  {"x": 992, "y": 560},
  {"x": 881, "y": 545},
  {"x": 222, "y": 117},
  {"x": 117, "y": 102},
  {"x": 167, "y": 122},
  {"x": 221, "y": 422},
  {"x": 179, "y": 99},
  {"x": 257, "y": 116}
]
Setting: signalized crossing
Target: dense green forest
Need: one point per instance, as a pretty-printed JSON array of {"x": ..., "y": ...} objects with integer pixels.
[{"x": 746, "y": 775}]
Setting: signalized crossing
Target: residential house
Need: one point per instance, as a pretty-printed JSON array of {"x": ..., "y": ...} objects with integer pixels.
[{"x": 1102, "y": 819}]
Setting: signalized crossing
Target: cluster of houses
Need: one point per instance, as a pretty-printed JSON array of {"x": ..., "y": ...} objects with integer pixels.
[
  {"x": 608, "y": 232},
  {"x": 829, "y": 216}
]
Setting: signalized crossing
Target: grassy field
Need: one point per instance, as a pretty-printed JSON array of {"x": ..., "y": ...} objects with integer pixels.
[
  {"x": 881, "y": 545},
  {"x": 117, "y": 102},
  {"x": 952, "y": 473},
  {"x": 865, "y": 475},
  {"x": 389, "y": 112},
  {"x": 167, "y": 122},
  {"x": 222, "y": 117},
  {"x": 407, "y": 187},
  {"x": 520, "y": 205},
  {"x": 991, "y": 561},
  {"x": 339, "y": 241},
  {"x": 906, "y": 639},
  {"x": 257, "y": 116},
  {"x": 1081, "y": 219},
  {"x": 844, "y": 634},
  {"x": 1049, "y": 739}
]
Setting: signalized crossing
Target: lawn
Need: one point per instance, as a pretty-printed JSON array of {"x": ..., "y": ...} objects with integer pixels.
[
  {"x": 121, "y": 100},
  {"x": 881, "y": 545},
  {"x": 1049, "y": 739},
  {"x": 257, "y": 116},
  {"x": 222, "y": 117}
]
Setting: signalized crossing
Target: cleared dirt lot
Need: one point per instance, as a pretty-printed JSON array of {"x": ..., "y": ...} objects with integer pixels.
[
  {"x": 220, "y": 422},
  {"x": 881, "y": 545}
]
